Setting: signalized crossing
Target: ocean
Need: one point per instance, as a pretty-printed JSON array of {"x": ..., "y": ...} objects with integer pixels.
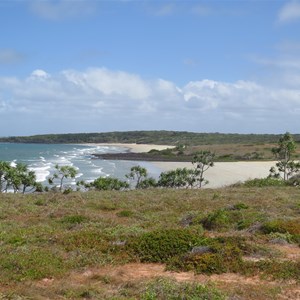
[{"x": 41, "y": 158}]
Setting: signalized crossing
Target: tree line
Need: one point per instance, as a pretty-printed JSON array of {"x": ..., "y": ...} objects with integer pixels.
[{"x": 147, "y": 137}]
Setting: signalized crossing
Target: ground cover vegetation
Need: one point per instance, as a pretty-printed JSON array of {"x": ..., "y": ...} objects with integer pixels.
[
  {"x": 142, "y": 239},
  {"x": 230, "y": 243}
]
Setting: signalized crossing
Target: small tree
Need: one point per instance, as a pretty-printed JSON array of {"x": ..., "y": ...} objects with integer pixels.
[
  {"x": 179, "y": 178},
  {"x": 108, "y": 184},
  {"x": 19, "y": 178},
  {"x": 285, "y": 167},
  {"x": 202, "y": 160},
  {"x": 138, "y": 174},
  {"x": 63, "y": 172}
]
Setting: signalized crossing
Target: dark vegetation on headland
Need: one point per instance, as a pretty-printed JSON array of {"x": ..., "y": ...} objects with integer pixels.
[
  {"x": 227, "y": 147},
  {"x": 149, "y": 137}
]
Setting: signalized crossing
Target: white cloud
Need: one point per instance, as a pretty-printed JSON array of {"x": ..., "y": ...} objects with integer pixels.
[
  {"x": 289, "y": 12},
  {"x": 39, "y": 74},
  {"x": 62, "y": 9},
  {"x": 99, "y": 99}
]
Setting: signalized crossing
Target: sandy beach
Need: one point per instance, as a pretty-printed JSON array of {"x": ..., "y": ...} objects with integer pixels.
[
  {"x": 225, "y": 173},
  {"x": 137, "y": 148},
  {"x": 222, "y": 174}
]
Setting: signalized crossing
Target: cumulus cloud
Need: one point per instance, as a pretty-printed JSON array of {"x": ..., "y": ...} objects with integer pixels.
[
  {"x": 289, "y": 12},
  {"x": 62, "y": 9},
  {"x": 99, "y": 99}
]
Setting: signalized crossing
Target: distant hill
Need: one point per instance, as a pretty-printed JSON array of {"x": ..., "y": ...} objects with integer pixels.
[{"x": 149, "y": 137}]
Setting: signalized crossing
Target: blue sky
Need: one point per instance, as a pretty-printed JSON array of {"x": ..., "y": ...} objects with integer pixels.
[{"x": 203, "y": 66}]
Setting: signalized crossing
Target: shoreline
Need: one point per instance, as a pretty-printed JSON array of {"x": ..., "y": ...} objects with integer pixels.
[
  {"x": 221, "y": 175},
  {"x": 133, "y": 148},
  {"x": 225, "y": 173}
]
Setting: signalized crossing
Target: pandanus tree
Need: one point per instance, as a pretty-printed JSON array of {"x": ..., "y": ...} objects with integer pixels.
[
  {"x": 19, "y": 178},
  {"x": 62, "y": 173}
]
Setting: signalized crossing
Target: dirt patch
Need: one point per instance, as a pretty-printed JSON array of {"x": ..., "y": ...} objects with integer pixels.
[{"x": 290, "y": 251}]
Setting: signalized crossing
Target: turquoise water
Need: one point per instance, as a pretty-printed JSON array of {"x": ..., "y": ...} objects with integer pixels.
[{"x": 42, "y": 158}]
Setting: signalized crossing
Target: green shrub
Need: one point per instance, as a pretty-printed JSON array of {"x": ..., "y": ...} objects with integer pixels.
[
  {"x": 243, "y": 224},
  {"x": 277, "y": 236},
  {"x": 161, "y": 245},
  {"x": 163, "y": 288},
  {"x": 216, "y": 220},
  {"x": 223, "y": 255},
  {"x": 261, "y": 182},
  {"x": 109, "y": 183},
  {"x": 282, "y": 226}
]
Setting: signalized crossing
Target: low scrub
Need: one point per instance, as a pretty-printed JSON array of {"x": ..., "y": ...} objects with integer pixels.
[
  {"x": 282, "y": 226},
  {"x": 262, "y": 182},
  {"x": 24, "y": 264},
  {"x": 162, "y": 245},
  {"x": 218, "y": 256},
  {"x": 232, "y": 217},
  {"x": 274, "y": 269}
]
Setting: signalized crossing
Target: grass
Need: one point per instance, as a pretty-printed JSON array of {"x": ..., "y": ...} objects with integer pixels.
[{"x": 52, "y": 237}]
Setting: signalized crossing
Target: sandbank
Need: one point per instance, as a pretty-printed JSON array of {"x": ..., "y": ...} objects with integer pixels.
[
  {"x": 136, "y": 148},
  {"x": 225, "y": 173}
]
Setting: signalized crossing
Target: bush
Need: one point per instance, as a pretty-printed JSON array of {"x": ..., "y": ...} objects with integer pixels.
[
  {"x": 216, "y": 220},
  {"x": 261, "y": 182},
  {"x": 161, "y": 245},
  {"x": 109, "y": 183},
  {"x": 279, "y": 238},
  {"x": 282, "y": 226},
  {"x": 224, "y": 255}
]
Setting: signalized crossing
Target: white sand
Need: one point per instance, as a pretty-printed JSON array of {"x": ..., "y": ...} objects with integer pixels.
[
  {"x": 136, "y": 148},
  {"x": 222, "y": 174},
  {"x": 225, "y": 173}
]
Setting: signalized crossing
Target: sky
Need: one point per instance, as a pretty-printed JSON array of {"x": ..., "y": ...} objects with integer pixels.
[{"x": 69, "y": 66}]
